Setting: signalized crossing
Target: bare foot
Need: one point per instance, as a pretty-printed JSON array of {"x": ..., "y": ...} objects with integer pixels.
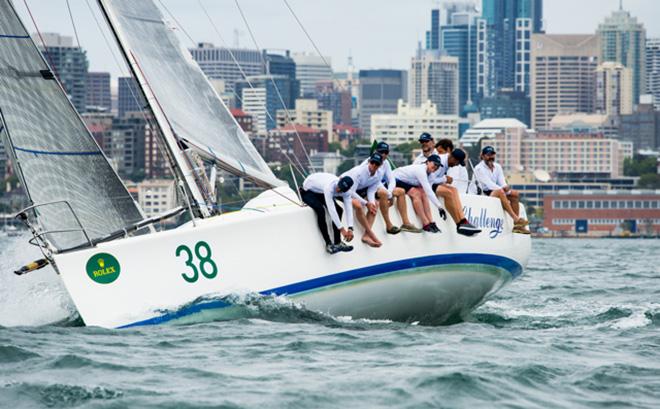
[{"x": 369, "y": 242}]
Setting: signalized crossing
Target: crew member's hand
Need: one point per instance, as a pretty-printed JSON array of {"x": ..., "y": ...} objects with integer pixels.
[
  {"x": 506, "y": 188},
  {"x": 346, "y": 234},
  {"x": 449, "y": 179},
  {"x": 372, "y": 207}
]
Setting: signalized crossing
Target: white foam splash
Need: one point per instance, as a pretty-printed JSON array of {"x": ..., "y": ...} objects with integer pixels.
[{"x": 38, "y": 298}]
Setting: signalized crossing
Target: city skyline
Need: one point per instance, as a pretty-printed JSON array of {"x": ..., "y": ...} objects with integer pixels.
[{"x": 275, "y": 28}]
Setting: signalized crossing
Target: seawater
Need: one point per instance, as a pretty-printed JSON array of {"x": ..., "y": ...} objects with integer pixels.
[{"x": 581, "y": 329}]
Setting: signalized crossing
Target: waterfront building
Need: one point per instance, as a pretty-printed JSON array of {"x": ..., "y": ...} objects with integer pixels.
[
  {"x": 506, "y": 103},
  {"x": 220, "y": 63},
  {"x": 653, "y": 69},
  {"x": 379, "y": 93},
  {"x": 335, "y": 99},
  {"x": 562, "y": 75},
  {"x": 585, "y": 123},
  {"x": 505, "y": 32},
  {"x": 623, "y": 40},
  {"x": 295, "y": 141},
  {"x": 283, "y": 64},
  {"x": 97, "y": 89},
  {"x": 156, "y": 196},
  {"x": 124, "y": 144},
  {"x": 310, "y": 69},
  {"x": 459, "y": 39},
  {"x": 434, "y": 77},
  {"x": 598, "y": 213},
  {"x": 307, "y": 113},
  {"x": 614, "y": 89},
  {"x": 129, "y": 96},
  {"x": 489, "y": 128},
  {"x": 70, "y": 64},
  {"x": 409, "y": 122},
  {"x": 642, "y": 127}
]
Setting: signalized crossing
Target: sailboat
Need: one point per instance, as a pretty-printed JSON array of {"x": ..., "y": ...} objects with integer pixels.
[{"x": 121, "y": 272}]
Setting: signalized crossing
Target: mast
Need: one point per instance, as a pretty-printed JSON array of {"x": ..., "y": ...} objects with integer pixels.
[{"x": 183, "y": 167}]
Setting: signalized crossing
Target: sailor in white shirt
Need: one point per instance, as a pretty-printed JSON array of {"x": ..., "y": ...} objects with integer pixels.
[
  {"x": 319, "y": 192},
  {"x": 367, "y": 180},
  {"x": 490, "y": 176},
  {"x": 459, "y": 174},
  {"x": 415, "y": 176},
  {"x": 386, "y": 188},
  {"x": 428, "y": 145}
]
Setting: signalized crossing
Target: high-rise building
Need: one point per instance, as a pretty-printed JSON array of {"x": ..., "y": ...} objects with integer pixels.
[
  {"x": 653, "y": 69},
  {"x": 433, "y": 35},
  {"x": 260, "y": 98},
  {"x": 310, "y": 69},
  {"x": 221, "y": 63},
  {"x": 70, "y": 63},
  {"x": 434, "y": 77},
  {"x": 98, "y": 97},
  {"x": 459, "y": 39},
  {"x": 614, "y": 92},
  {"x": 283, "y": 64},
  {"x": 129, "y": 96},
  {"x": 506, "y": 103},
  {"x": 124, "y": 144},
  {"x": 505, "y": 38},
  {"x": 380, "y": 91},
  {"x": 337, "y": 100},
  {"x": 562, "y": 75},
  {"x": 623, "y": 40},
  {"x": 642, "y": 127}
]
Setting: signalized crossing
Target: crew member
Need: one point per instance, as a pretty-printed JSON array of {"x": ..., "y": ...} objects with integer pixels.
[
  {"x": 441, "y": 184},
  {"x": 319, "y": 192},
  {"x": 459, "y": 173},
  {"x": 367, "y": 180},
  {"x": 386, "y": 189},
  {"x": 415, "y": 176},
  {"x": 490, "y": 176}
]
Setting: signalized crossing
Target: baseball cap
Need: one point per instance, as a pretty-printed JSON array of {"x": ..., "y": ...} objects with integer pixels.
[
  {"x": 345, "y": 184},
  {"x": 488, "y": 150},
  {"x": 425, "y": 137},
  {"x": 383, "y": 147},
  {"x": 376, "y": 158},
  {"x": 459, "y": 155},
  {"x": 434, "y": 159}
]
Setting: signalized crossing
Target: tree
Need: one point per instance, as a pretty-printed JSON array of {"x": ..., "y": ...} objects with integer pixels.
[
  {"x": 639, "y": 165},
  {"x": 649, "y": 181}
]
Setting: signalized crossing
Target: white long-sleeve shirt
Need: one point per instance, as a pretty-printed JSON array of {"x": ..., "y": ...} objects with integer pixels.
[
  {"x": 490, "y": 179},
  {"x": 421, "y": 158},
  {"x": 385, "y": 174},
  {"x": 439, "y": 176},
  {"x": 460, "y": 177},
  {"x": 363, "y": 180},
  {"x": 326, "y": 184},
  {"x": 415, "y": 175}
]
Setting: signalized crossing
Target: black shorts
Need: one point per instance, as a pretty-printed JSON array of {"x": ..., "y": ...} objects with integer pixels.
[
  {"x": 487, "y": 192},
  {"x": 403, "y": 185},
  {"x": 435, "y": 186},
  {"x": 362, "y": 193}
]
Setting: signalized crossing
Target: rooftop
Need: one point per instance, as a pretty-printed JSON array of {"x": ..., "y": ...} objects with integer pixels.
[{"x": 499, "y": 123}]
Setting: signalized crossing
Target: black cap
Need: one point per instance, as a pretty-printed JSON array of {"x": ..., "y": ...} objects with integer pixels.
[
  {"x": 459, "y": 155},
  {"x": 425, "y": 137},
  {"x": 434, "y": 159},
  {"x": 383, "y": 147},
  {"x": 376, "y": 158},
  {"x": 488, "y": 150},
  {"x": 345, "y": 184}
]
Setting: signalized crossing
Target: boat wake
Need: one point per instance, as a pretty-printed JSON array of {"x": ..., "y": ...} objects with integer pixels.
[{"x": 35, "y": 299}]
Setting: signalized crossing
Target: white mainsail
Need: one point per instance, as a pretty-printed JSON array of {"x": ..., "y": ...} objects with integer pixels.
[
  {"x": 55, "y": 156},
  {"x": 182, "y": 98}
]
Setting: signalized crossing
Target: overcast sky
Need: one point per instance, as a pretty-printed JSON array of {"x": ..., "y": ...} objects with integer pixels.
[{"x": 378, "y": 33}]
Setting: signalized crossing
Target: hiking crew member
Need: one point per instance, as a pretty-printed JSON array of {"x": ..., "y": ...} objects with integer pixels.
[
  {"x": 386, "y": 188},
  {"x": 367, "y": 179},
  {"x": 319, "y": 192},
  {"x": 415, "y": 176},
  {"x": 426, "y": 141},
  {"x": 490, "y": 176},
  {"x": 458, "y": 174},
  {"x": 441, "y": 185}
]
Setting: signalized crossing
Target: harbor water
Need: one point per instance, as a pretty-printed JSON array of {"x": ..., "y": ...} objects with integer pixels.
[{"x": 580, "y": 329}]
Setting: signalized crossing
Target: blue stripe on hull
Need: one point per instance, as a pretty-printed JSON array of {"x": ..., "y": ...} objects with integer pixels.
[{"x": 513, "y": 267}]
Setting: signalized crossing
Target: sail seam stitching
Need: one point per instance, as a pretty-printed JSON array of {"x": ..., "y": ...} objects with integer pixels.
[{"x": 72, "y": 153}]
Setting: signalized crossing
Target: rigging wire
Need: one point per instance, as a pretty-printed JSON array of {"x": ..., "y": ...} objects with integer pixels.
[
  {"x": 279, "y": 94},
  {"x": 73, "y": 23},
  {"x": 298, "y": 166}
]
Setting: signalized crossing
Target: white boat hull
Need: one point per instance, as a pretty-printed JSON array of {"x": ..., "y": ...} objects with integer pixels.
[{"x": 273, "y": 247}]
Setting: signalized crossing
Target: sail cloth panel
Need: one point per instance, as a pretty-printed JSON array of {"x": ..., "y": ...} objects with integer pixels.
[
  {"x": 56, "y": 155},
  {"x": 191, "y": 105}
]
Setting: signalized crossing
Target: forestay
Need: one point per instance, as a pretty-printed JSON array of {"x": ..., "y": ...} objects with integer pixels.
[
  {"x": 193, "y": 109},
  {"x": 55, "y": 155}
]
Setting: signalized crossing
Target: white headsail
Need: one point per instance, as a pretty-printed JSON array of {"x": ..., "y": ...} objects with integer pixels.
[
  {"x": 184, "y": 103},
  {"x": 54, "y": 154}
]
